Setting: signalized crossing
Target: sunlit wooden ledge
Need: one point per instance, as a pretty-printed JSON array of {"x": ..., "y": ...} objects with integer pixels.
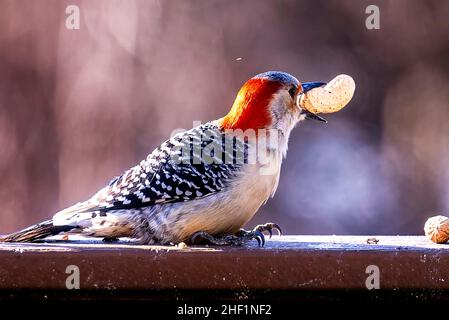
[{"x": 287, "y": 263}]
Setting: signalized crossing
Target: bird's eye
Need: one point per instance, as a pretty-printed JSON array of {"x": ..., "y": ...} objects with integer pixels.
[{"x": 292, "y": 91}]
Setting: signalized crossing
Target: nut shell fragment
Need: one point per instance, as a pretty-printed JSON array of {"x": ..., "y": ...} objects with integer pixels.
[
  {"x": 437, "y": 229},
  {"x": 330, "y": 98}
]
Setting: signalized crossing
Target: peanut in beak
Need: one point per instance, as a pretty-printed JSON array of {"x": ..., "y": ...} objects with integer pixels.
[{"x": 331, "y": 98}]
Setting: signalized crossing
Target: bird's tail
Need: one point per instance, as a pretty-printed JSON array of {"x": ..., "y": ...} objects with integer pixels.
[{"x": 35, "y": 232}]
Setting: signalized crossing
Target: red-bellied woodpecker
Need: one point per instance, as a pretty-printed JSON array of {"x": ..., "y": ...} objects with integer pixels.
[{"x": 203, "y": 183}]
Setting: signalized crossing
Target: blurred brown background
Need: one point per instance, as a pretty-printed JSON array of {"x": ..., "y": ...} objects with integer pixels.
[{"x": 78, "y": 107}]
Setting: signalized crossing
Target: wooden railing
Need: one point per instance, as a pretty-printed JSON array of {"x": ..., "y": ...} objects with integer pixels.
[{"x": 289, "y": 266}]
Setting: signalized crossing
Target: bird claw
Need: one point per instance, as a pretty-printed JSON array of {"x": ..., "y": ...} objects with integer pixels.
[
  {"x": 231, "y": 240},
  {"x": 240, "y": 237},
  {"x": 259, "y": 236},
  {"x": 269, "y": 227}
]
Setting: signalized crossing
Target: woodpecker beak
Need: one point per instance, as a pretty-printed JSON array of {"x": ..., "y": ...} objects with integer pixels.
[
  {"x": 306, "y": 86},
  {"x": 313, "y": 116}
]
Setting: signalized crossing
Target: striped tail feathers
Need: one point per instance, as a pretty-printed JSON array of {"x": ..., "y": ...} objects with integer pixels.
[
  {"x": 73, "y": 217},
  {"x": 36, "y": 232}
]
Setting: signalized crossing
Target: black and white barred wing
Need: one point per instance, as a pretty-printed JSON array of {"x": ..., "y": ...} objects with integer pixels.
[{"x": 189, "y": 166}]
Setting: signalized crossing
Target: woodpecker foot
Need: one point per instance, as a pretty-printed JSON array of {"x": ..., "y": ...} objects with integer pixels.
[
  {"x": 240, "y": 237},
  {"x": 269, "y": 227},
  {"x": 257, "y": 232},
  {"x": 230, "y": 240},
  {"x": 110, "y": 240}
]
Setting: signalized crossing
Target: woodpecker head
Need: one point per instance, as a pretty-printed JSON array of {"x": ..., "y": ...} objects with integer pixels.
[{"x": 269, "y": 100}]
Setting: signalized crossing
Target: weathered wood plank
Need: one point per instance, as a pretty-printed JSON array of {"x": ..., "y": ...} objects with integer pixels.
[{"x": 285, "y": 263}]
